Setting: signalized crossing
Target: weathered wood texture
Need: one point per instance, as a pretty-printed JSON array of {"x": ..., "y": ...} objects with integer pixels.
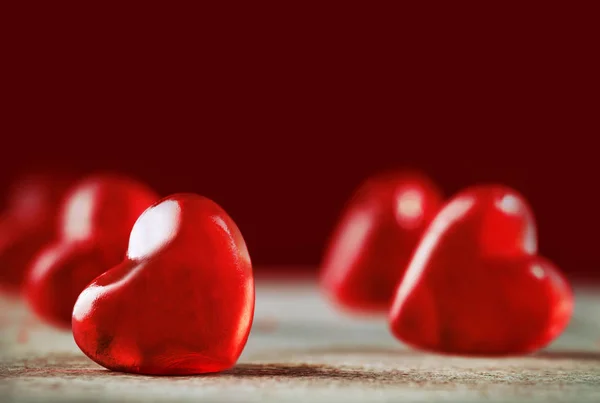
[{"x": 302, "y": 350}]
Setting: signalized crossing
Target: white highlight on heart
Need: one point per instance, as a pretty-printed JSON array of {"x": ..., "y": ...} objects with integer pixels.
[
  {"x": 88, "y": 297},
  {"x": 348, "y": 247},
  {"x": 154, "y": 229},
  {"x": 237, "y": 243},
  {"x": 449, "y": 215},
  {"x": 45, "y": 260},
  {"x": 538, "y": 271},
  {"x": 409, "y": 207},
  {"x": 78, "y": 212},
  {"x": 85, "y": 302},
  {"x": 511, "y": 204},
  {"x": 530, "y": 242}
]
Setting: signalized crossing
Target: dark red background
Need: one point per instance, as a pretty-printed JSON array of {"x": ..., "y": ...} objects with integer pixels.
[{"x": 277, "y": 113}]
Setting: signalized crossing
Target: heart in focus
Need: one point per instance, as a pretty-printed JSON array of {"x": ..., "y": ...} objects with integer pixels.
[
  {"x": 476, "y": 285},
  {"x": 375, "y": 238},
  {"x": 182, "y": 301},
  {"x": 96, "y": 219}
]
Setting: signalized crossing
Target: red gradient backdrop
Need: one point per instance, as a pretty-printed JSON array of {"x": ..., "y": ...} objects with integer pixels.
[{"x": 278, "y": 114}]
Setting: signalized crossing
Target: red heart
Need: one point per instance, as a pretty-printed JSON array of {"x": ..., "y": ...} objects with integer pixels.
[
  {"x": 97, "y": 217},
  {"x": 182, "y": 302},
  {"x": 373, "y": 242},
  {"x": 28, "y": 224},
  {"x": 475, "y": 285}
]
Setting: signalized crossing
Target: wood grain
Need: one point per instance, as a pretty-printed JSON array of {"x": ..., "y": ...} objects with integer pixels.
[{"x": 302, "y": 350}]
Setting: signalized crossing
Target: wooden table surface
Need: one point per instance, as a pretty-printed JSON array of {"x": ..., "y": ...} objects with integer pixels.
[{"x": 302, "y": 350}]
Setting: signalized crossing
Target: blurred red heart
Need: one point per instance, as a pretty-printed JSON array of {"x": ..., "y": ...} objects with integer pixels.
[
  {"x": 475, "y": 285},
  {"x": 182, "y": 302},
  {"x": 29, "y": 222},
  {"x": 97, "y": 217},
  {"x": 375, "y": 238}
]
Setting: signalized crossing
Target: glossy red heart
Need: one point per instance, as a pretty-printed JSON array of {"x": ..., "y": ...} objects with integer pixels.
[
  {"x": 97, "y": 217},
  {"x": 476, "y": 286},
  {"x": 182, "y": 302},
  {"x": 28, "y": 224},
  {"x": 375, "y": 238}
]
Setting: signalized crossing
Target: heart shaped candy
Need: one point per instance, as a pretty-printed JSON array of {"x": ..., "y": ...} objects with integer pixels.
[
  {"x": 475, "y": 285},
  {"x": 96, "y": 220},
  {"x": 182, "y": 302},
  {"x": 28, "y": 224},
  {"x": 372, "y": 245}
]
